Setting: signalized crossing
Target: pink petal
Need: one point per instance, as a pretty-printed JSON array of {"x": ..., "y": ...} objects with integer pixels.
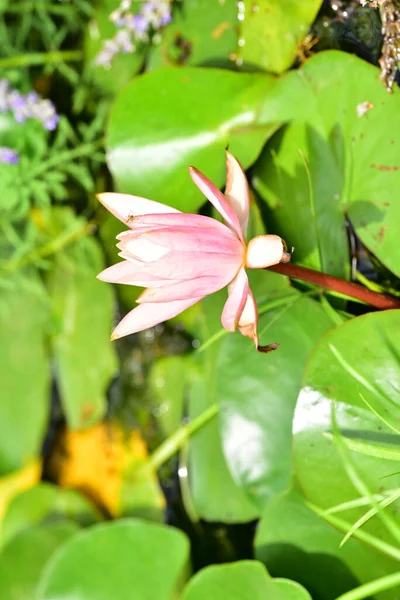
[
  {"x": 237, "y": 190},
  {"x": 249, "y": 319},
  {"x": 148, "y": 315},
  {"x": 126, "y": 207},
  {"x": 216, "y": 197},
  {"x": 180, "y": 239},
  {"x": 184, "y": 265},
  {"x": 142, "y": 248},
  {"x": 181, "y": 290},
  {"x": 130, "y": 273},
  {"x": 176, "y": 220},
  {"x": 235, "y": 304}
]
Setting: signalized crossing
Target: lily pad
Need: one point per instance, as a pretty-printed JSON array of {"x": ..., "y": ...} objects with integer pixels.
[
  {"x": 292, "y": 541},
  {"x": 244, "y": 580},
  {"x": 271, "y": 31},
  {"x": 257, "y": 406},
  {"x": 44, "y": 503},
  {"x": 174, "y": 121},
  {"x": 23, "y": 559},
  {"x": 353, "y": 367},
  {"x": 125, "y": 559},
  {"x": 197, "y": 36},
  {"x": 338, "y": 156}
]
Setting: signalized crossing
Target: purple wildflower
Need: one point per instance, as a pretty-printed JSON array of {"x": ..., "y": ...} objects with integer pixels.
[
  {"x": 8, "y": 156},
  {"x": 133, "y": 28},
  {"x": 27, "y": 106}
]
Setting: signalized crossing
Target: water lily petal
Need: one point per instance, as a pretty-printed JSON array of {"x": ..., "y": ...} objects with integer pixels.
[
  {"x": 249, "y": 319},
  {"x": 181, "y": 239},
  {"x": 148, "y": 315},
  {"x": 201, "y": 286},
  {"x": 143, "y": 248},
  {"x": 184, "y": 265},
  {"x": 235, "y": 304},
  {"x": 131, "y": 272},
  {"x": 237, "y": 190},
  {"x": 126, "y": 207},
  {"x": 217, "y": 199},
  {"x": 176, "y": 219}
]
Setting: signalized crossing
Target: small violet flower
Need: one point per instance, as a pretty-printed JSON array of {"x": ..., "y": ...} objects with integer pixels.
[
  {"x": 134, "y": 28},
  {"x": 27, "y": 106},
  {"x": 181, "y": 258},
  {"x": 8, "y": 156}
]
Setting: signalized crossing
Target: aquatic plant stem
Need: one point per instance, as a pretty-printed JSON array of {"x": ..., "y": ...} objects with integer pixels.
[
  {"x": 41, "y": 58},
  {"x": 329, "y": 282},
  {"x": 175, "y": 441},
  {"x": 372, "y": 587}
]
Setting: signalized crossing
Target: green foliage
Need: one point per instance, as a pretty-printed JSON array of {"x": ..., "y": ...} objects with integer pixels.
[
  {"x": 241, "y": 580},
  {"x": 23, "y": 559},
  {"x": 187, "y": 127},
  {"x": 270, "y": 32},
  {"x": 127, "y": 558},
  {"x": 304, "y": 440}
]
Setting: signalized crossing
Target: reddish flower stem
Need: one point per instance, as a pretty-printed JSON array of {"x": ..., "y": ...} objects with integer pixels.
[{"x": 337, "y": 285}]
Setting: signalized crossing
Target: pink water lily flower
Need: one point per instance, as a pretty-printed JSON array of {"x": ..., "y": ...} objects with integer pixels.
[{"x": 181, "y": 258}]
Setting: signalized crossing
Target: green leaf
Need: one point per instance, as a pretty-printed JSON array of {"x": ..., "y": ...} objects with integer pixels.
[
  {"x": 168, "y": 381},
  {"x": 353, "y": 168},
  {"x": 214, "y": 494},
  {"x": 353, "y": 367},
  {"x": 125, "y": 559},
  {"x": 271, "y": 30},
  {"x": 257, "y": 403},
  {"x": 124, "y": 66},
  {"x": 244, "y": 580},
  {"x": 23, "y": 559},
  {"x": 174, "y": 121},
  {"x": 24, "y": 370},
  {"x": 292, "y": 541},
  {"x": 45, "y": 503},
  {"x": 83, "y": 310},
  {"x": 197, "y": 36}
]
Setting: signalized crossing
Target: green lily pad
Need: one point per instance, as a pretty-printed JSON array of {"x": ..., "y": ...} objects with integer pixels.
[
  {"x": 174, "y": 121},
  {"x": 244, "y": 580},
  {"x": 354, "y": 367},
  {"x": 197, "y": 36},
  {"x": 45, "y": 503},
  {"x": 341, "y": 131},
  {"x": 292, "y": 541},
  {"x": 83, "y": 315},
  {"x": 214, "y": 494},
  {"x": 271, "y": 30},
  {"x": 24, "y": 369},
  {"x": 24, "y": 558},
  {"x": 257, "y": 408},
  {"x": 125, "y": 559}
]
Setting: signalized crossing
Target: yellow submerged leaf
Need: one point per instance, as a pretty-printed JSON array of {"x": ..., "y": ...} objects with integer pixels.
[
  {"x": 99, "y": 462},
  {"x": 14, "y": 483}
]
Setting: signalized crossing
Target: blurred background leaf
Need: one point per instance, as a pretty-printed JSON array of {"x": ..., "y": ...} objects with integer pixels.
[
  {"x": 270, "y": 32},
  {"x": 24, "y": 369},
  {"x": 143, "y": 559}
]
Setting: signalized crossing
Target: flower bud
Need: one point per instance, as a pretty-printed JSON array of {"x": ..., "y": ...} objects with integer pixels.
[{"x": 264, "y": 251}]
